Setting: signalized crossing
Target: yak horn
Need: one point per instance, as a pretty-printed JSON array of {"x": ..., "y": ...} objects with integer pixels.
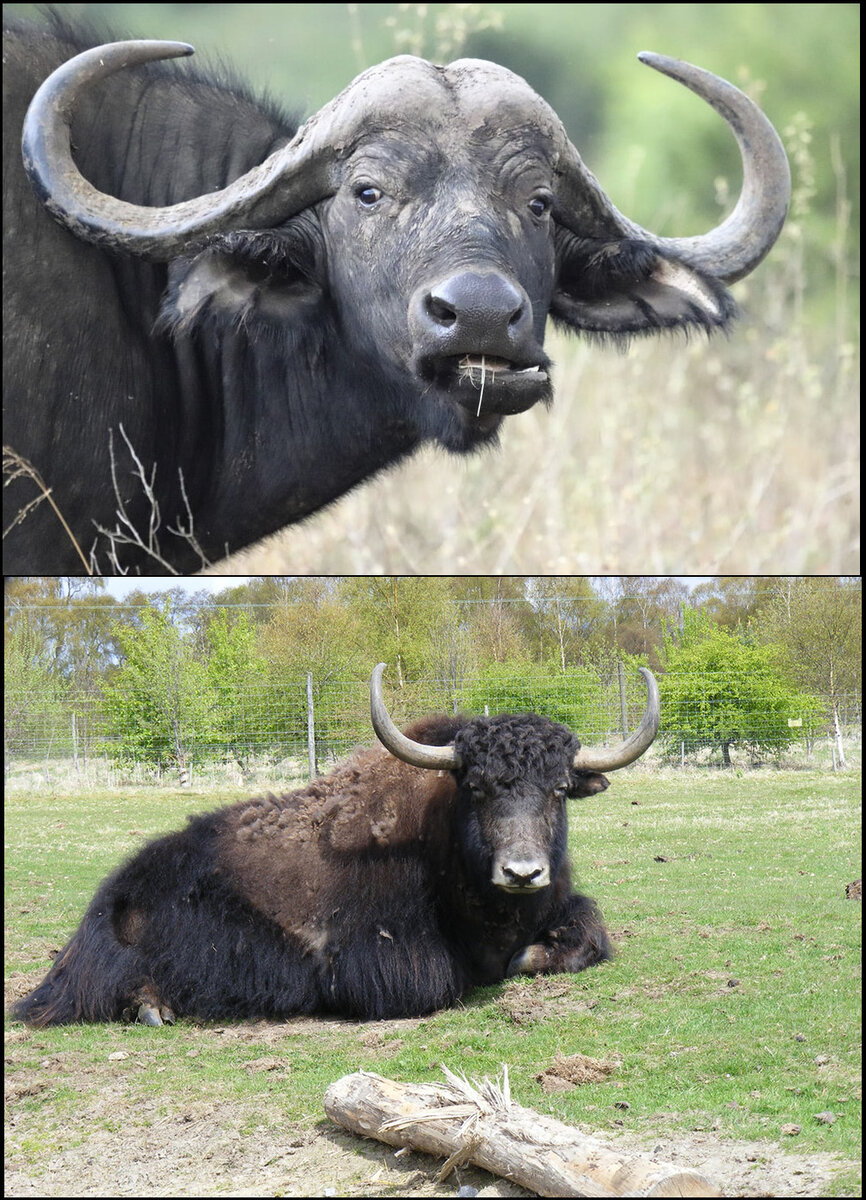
[
  {"x": 442, "y": 758},
  {"x": 445, "y": 758},
  {"x": 633, "y": 747}
]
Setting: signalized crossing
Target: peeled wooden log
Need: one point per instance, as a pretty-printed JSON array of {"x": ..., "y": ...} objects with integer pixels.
[{"x": 479, "y": 1124}]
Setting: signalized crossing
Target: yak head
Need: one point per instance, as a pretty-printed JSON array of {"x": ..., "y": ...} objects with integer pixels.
[
  {"x": 513, "y": 775},
  {"x": 431, "y": 218}
]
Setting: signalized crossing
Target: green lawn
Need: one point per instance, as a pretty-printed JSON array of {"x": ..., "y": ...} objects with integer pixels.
[{"x": 733, "y": 1004}]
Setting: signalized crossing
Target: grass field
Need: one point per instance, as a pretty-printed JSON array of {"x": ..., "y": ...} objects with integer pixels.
[{"x": 731, "y": 1012}]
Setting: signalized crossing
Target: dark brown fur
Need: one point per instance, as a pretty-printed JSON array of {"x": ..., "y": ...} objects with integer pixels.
[{"x": 367, "y": 893}]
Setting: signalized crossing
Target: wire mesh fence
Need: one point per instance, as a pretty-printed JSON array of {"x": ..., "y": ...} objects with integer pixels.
[{"x": 277, "y": 736}]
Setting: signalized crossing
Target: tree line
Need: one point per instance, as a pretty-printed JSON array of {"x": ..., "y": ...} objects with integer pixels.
[{"x": 777, "y": 658}]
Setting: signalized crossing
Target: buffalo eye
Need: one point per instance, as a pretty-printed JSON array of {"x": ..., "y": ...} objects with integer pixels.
[
  {"x": 367, "y": 196},
  {"x": 539, "y": 206}
]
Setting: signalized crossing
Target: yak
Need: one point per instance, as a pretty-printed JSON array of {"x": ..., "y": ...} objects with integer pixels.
[
  {"x": 411, "y": 873},
  {"x": 218, "y": 322}
]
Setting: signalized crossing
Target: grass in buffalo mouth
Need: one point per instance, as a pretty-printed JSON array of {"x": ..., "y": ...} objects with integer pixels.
[{"x": 470, "y": 365}]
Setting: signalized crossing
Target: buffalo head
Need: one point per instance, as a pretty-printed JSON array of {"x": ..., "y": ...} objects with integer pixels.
[{"x": 443, "y": 212}]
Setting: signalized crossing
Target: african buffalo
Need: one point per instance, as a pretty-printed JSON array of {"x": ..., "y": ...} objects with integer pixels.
[
  {"x": 387, "y": 889},
  {"x": 218, "y": 323}
]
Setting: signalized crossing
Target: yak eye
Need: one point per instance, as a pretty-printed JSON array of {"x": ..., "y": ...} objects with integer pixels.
[
  {"x": 539, "y": 206},
  {"x": 368, "y": 196}
]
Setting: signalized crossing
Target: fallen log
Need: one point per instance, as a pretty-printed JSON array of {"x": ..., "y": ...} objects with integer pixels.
[{"x": 481, "y": 1125}]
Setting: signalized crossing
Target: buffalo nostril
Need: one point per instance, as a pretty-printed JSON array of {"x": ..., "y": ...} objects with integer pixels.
[{"x": 442, "y": 313}]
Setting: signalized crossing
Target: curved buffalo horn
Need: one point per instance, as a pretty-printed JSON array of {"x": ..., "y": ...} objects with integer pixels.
[
  {"x": 305, "y": 170},
  {"x": 634, "y": 746},
  {"x": 290, "y": 179},
  {"x": 442, "y": 758},
  {"x": 735, "y": 247}
]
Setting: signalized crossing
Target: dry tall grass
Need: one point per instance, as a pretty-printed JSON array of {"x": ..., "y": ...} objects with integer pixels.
[
  {"x": 737, "y": 456},
  {"x": 733, "y": 457}
]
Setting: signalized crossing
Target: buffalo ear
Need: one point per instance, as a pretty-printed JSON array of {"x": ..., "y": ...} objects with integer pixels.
[
  {"x": 587, "y": 783},
  {"x": 242, "y": 278},
  {"x": 626, "y": 287}
]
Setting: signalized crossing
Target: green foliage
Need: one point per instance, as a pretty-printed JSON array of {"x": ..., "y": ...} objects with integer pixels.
[
  {"x": 234, "y": 671},
  {"x": 233, "y": 659},
  {"x": 721, "y": 692},
  {"x": 732, "y": 600},
  {"x": 817, "y": 622},
  {"x": 32, "y": 695},
  {"x": 159, "y": 701},
  {"x": 401, "y": 618},
  {"x": 192, "y": 678},
  {"x": 564, "y": 621},
  {"x": 520, "y": 685}
]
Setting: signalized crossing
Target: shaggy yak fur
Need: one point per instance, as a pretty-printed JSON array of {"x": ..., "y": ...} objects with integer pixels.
[{"x": 367, "y": 893}]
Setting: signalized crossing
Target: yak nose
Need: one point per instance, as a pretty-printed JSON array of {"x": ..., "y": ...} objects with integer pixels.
[
  {"x": 518, "y": 875},
  {"x": 474, "y": 313}
]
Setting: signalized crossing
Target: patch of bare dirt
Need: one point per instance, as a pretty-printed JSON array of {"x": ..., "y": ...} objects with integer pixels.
[
  {"x": 168, "y": 1146},
  {"x": 201, "y": 1151},
  {"x": 739, "y": 1168},
  {"x": 571, "y": 1070},
  {"x": 541, "y": 998}
]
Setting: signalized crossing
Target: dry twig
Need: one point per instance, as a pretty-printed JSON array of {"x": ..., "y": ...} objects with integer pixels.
[{"x": 16, "y": 467}]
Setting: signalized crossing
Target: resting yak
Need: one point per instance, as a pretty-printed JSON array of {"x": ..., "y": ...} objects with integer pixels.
[
  {"x": 386, "y": 889},
  {"x": 217, "y": 323}
]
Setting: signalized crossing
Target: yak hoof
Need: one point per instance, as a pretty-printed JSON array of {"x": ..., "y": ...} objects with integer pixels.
[
  {"x": 529, "y": 961},
  {"x": 149, "y": 1014}
]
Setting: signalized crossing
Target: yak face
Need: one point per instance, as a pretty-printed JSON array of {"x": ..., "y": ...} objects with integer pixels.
[{"x": 516, "y": 775}]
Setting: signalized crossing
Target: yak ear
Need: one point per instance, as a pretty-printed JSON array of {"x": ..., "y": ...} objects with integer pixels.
[
  {"x": 627, "y": 287},
  {"x": 587, "y": 783},
  {"x": 244, "y": 279}
]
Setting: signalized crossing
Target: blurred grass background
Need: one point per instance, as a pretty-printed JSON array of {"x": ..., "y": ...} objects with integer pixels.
[{"x": 737, "y": 457}]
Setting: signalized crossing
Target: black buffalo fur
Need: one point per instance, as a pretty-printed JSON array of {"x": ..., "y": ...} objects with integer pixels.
[
  {"x": 261, "y": 374},
  {"x": 368, "y": 893}
]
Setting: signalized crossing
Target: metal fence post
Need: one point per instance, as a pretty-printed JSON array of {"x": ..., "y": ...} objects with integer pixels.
[
  {"x": 75, "y": 747},
  {"x": 623, "y": 707},
  {"x": 311, "y": 728}
]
